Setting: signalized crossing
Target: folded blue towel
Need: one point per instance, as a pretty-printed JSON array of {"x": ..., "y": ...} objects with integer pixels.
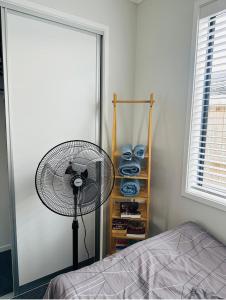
[
  {"x": 126, "y": 152},
  {"x": 130, "y": 187},
  {"x": 129, "y": 168},
  {"x": 139, "y": 151}
]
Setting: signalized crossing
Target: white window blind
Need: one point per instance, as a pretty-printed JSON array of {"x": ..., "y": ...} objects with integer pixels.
[{"x": 207, "y": 147}]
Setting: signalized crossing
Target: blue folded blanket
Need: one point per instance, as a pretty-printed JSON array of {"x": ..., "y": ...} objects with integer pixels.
[
  {"x": 130, "y": 187},
  {"x": 139, "y": 151},
  {"x": 126, "y": 152},
  {"x": 129, "y": 168}
]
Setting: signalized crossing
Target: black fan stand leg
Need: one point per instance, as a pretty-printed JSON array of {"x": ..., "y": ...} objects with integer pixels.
[{"x": 75, "y": 227}]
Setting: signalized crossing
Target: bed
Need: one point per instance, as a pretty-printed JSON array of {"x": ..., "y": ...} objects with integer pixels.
[{"x": 185, "y": 262}]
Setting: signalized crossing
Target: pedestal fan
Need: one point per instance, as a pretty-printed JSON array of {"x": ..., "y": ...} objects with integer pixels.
[{"x": 74, "y": 179}]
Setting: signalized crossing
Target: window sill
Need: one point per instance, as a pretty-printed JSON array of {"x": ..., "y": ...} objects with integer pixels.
[{"x": 201, "y": 197}]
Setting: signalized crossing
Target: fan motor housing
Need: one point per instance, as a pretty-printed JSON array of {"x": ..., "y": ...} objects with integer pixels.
[{"x": 78, "y": 182}]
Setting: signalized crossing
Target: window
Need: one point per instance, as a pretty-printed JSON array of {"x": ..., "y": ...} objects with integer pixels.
[{"x": 206, "y": 165}]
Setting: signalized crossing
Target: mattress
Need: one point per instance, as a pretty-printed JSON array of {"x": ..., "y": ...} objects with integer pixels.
[{"x": 185, "y": 262}]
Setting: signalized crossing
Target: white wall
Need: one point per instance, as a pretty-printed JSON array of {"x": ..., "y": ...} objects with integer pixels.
[
  {"x": 5, "y": 239},
  {"x": 163, "y": 62}
]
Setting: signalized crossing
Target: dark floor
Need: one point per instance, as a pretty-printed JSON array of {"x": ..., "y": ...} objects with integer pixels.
[
  {"x": 6, "y": 280},
  {"x": 37, "y": 293},
  {"x": 29, "y": 291}
]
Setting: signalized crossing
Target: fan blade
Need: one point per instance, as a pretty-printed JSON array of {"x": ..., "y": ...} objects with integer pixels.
[
  {"x": 90, "y": 193},
  {"x": 85, "y": 174},
  {"x": 79, "y": 165},
  {"x": 96, "y": 160},
  {"x": 87, "y": 156},
  {"x": 48, "y": 168},
  {"x": 60, "y": 184}
]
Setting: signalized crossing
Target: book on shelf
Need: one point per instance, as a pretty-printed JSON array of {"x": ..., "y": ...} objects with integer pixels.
[
  {"x": 119, "y": 226},
  {"x": 119, "y": 231},
  {"x": 133, "y": 229},
  {"x": 130, "y": 210},
  {"x": 121, "y": 244},
  {"x": 136, "y": 229}
]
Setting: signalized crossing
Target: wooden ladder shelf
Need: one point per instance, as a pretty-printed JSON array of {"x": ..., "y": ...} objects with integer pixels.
[{"x": 145, "y": 175}]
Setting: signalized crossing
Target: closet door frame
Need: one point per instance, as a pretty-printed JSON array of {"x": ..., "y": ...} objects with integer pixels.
[{"x": 81, "y": 24}]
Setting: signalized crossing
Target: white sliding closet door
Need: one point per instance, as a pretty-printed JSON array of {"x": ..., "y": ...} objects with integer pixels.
[{"x": 52, "y": 84}]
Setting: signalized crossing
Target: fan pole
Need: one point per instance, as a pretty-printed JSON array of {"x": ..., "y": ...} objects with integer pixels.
[{"x": 75, "y": 227}]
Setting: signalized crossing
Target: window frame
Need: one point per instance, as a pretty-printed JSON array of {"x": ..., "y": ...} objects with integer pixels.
[{"x": 196, "y": 195}]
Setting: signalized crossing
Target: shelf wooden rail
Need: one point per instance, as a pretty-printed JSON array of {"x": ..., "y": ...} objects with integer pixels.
[{"x": 145, "y": 175}]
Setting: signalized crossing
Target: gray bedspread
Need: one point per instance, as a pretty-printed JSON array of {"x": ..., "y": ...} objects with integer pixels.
[{"x": 185, "y": 262}]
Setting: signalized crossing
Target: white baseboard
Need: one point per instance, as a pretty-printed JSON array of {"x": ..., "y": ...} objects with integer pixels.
[{"x": 5, "y": 248}]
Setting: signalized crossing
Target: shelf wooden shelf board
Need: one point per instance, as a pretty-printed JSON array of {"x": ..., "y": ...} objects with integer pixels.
[
  {"x": 130, "y": 199},
  {"x": 117, "y": 194},
  {"x": 118, "y": 154},
  {"x": 131, "y": 219},
  {"x": 143, "y": 175},
  {"x": 118, "y": 236}
]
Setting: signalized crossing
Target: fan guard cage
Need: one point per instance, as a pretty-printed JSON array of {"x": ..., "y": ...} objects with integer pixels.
[{"x": 53, "y": 185}]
